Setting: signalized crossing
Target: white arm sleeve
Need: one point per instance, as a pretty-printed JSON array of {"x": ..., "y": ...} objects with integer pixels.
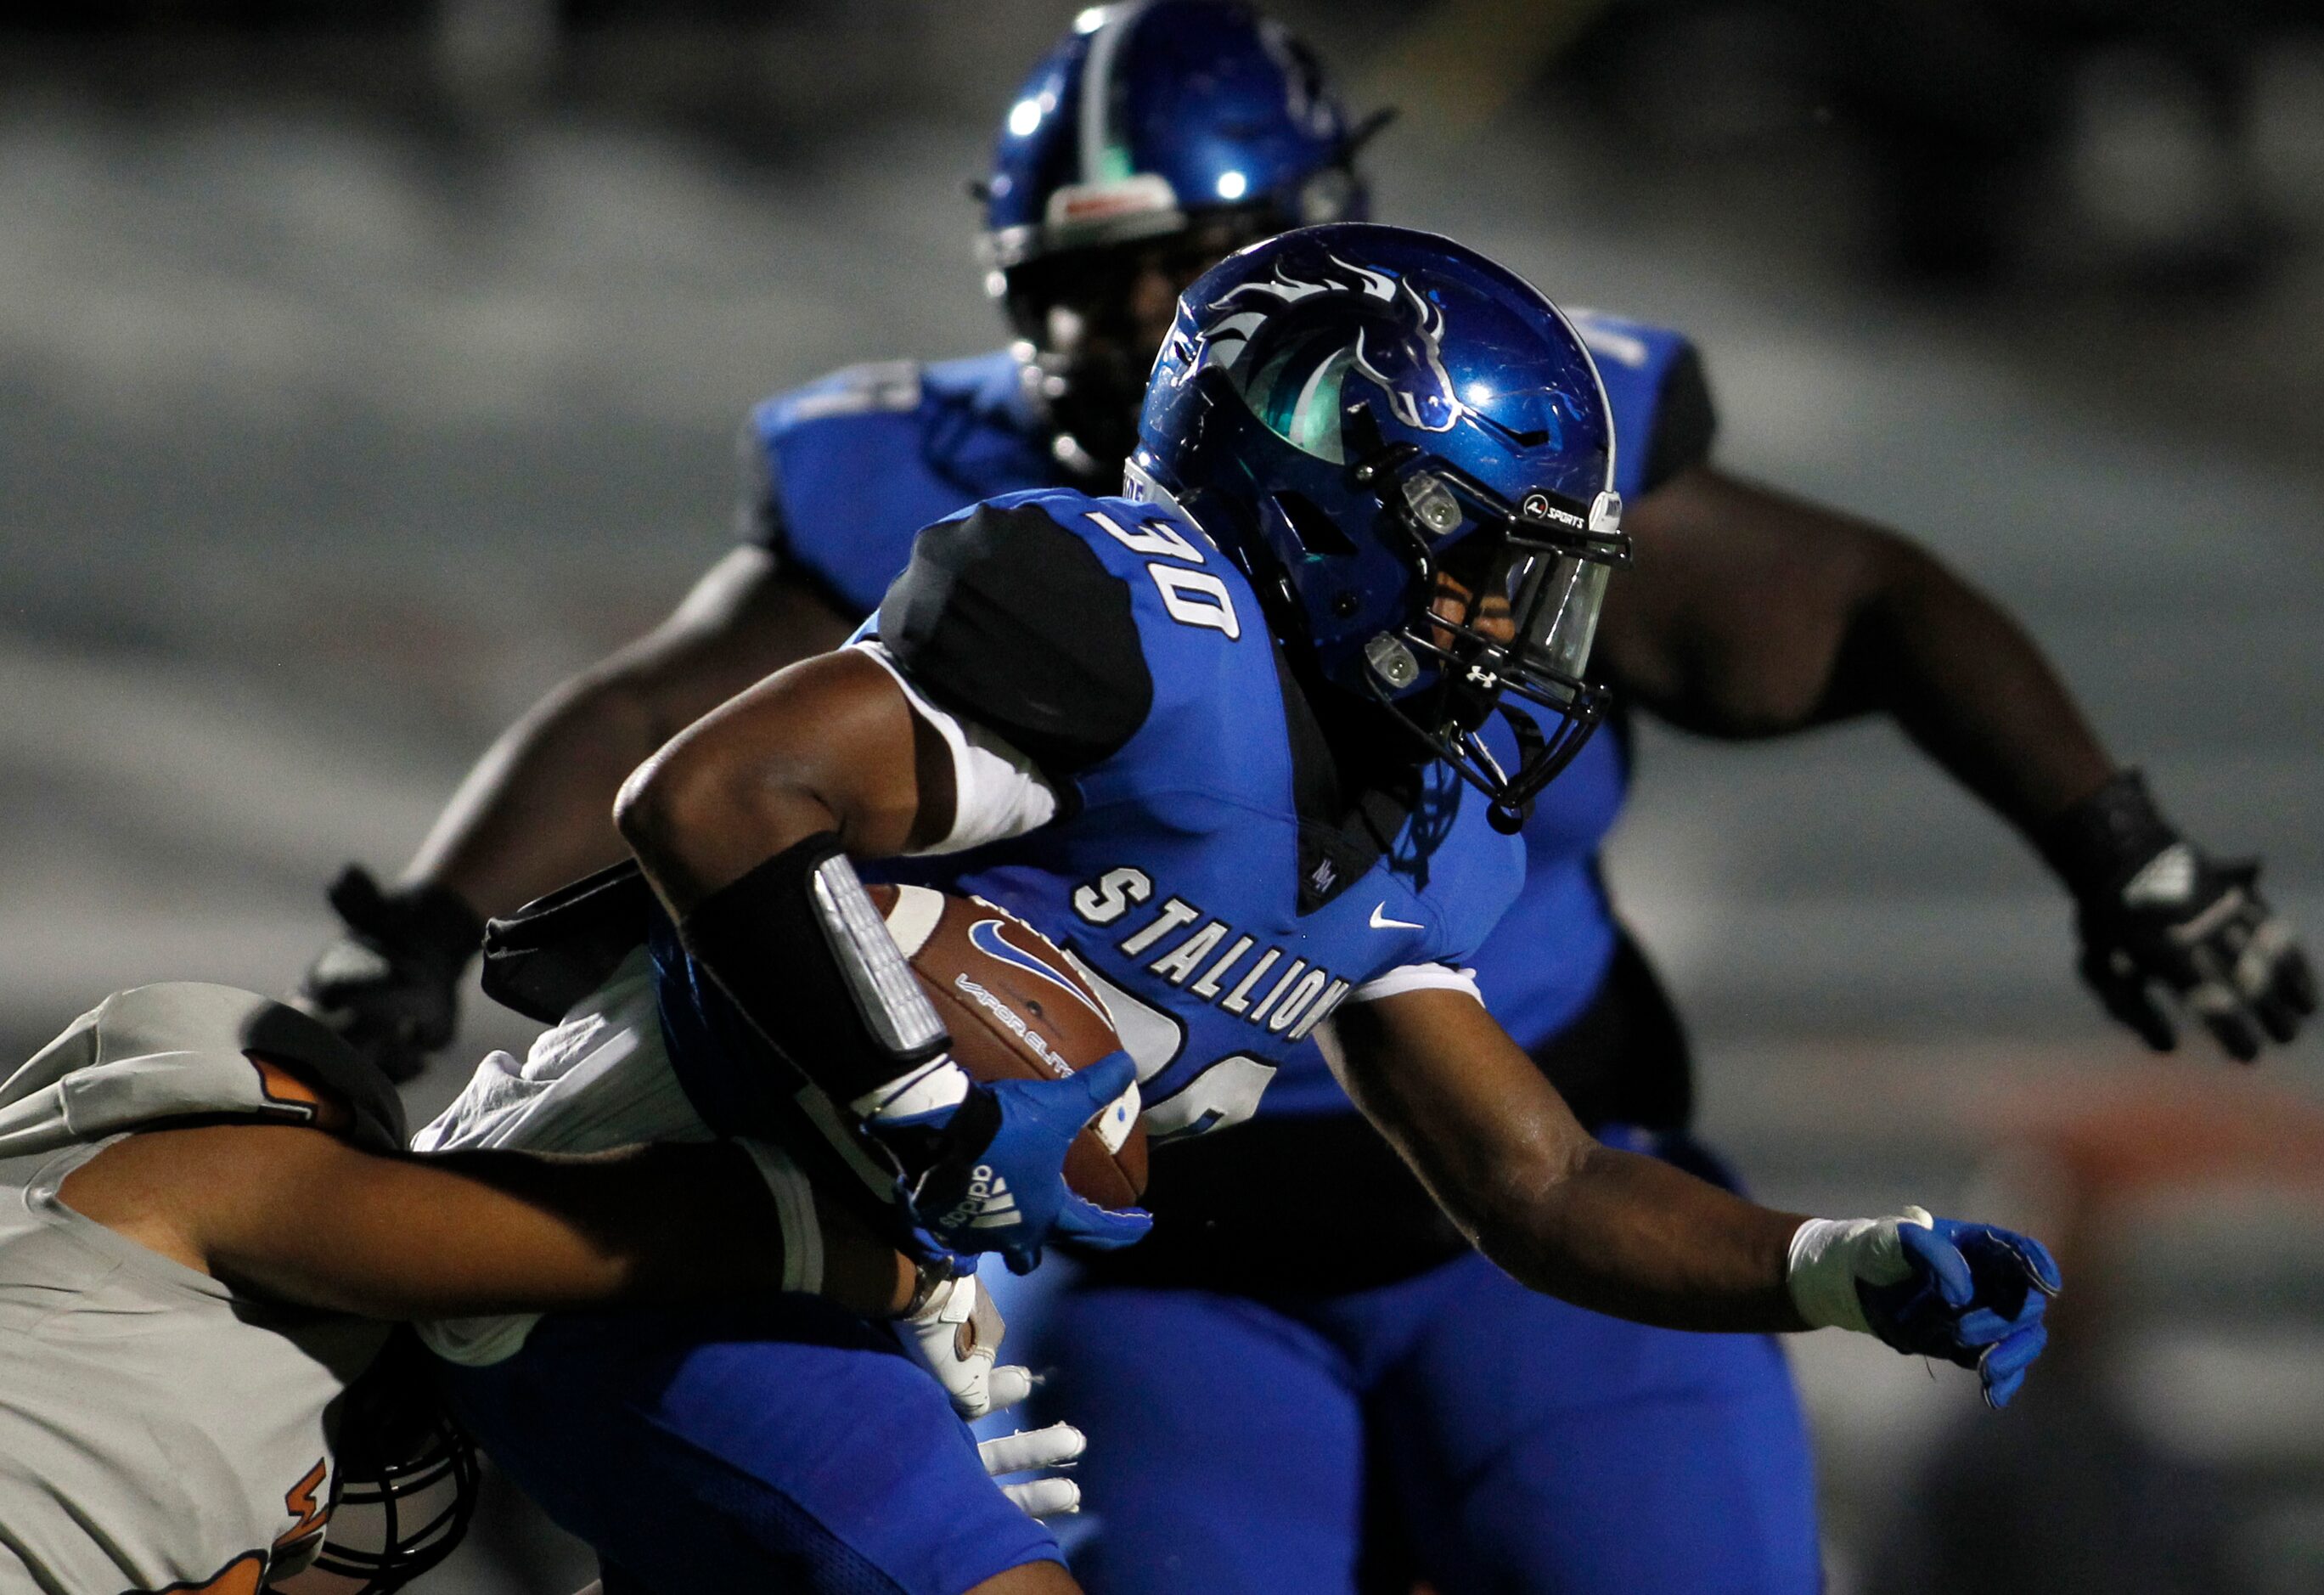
[
  {"x": 1417, "y": 977},
  {"x": 997, "y": 793}
]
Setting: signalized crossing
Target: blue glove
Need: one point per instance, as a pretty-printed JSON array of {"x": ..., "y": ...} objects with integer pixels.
[
  {"x": 1971, "y": 1293},
  {"x": 1975, "y": 1297},
  {"x": 993, "y": 1178}
]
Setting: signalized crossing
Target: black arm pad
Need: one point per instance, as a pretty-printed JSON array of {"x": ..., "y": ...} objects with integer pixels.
[{"x": 768, "y": 942}]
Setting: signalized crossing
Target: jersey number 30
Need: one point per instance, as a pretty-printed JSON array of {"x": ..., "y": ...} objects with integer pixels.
[{"x": 1193, "y": 597}]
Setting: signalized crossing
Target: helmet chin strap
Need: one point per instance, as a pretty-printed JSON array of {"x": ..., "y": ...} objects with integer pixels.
[
  {"x": 1508, "y": 817},
  {"x": 1540, "y": 755}
]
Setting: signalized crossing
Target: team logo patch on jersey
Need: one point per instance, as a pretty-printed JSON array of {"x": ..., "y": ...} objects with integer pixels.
[{"x": 309, "y": 1505}]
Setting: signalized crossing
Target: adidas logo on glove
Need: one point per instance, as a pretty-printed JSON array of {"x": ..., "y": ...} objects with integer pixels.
[{"x": 986, "y": 1205}]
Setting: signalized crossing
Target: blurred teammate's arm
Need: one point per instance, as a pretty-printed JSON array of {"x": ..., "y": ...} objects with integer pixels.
[
  {"x": 1750, "y": 614},
  {"x": 300, "y": 1215},
  {"x": 536, "y": 810}
]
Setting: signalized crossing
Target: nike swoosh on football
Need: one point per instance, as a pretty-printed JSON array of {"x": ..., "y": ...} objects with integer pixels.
[{"x": 1381, "y": 922}]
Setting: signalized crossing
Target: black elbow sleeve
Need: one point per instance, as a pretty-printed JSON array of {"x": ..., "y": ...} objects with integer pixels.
[{"x": 799, "y": 950}]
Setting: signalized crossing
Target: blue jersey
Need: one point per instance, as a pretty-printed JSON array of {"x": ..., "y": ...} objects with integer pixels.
[
  {"x": 1551, "y": 953},
  {"x": 840, "y": 474},
  {"x": 1211, "y": 867},
  {"x": 846, "y": 469}
]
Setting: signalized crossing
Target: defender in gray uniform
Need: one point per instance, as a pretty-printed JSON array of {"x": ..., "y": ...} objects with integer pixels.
[{"x": 206, "y": 1219}]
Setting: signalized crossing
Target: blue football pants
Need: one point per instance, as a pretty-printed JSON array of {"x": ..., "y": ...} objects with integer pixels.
[
  {"x": 1515, "y": 1443},
  {"x": 798, "y": 1450}
]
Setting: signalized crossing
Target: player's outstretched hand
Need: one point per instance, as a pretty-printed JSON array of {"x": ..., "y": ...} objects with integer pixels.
[
  {"x": 1059, "y": 1445},
  {"x": 2154, "y": 911},
  {"x": 955, "y": 1332},
  {"x": 390, "y": 986},
  {"x": 2199, "y": 928},
  {"x": 1971, "y": 1293},
  {"x": 997, "y": 1181}
]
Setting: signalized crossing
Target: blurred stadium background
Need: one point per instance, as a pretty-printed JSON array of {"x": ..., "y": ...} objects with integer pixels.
[{"x": 365, "y": 366}]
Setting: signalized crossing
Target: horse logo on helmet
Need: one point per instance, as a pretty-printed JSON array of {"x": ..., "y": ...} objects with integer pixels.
[{"x": 1399, "y": 344}]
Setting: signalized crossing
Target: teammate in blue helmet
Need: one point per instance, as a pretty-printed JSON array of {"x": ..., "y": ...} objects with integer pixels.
[
  {"x": 1348, "y": 1317},
  {"x": 1036, "y": 717},
  {"x": 1153, "y": 139}
]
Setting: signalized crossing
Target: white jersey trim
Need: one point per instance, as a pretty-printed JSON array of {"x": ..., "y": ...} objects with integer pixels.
[
  {"x": 1417, "y": 977},
  {"x": 997, "y": 792}
]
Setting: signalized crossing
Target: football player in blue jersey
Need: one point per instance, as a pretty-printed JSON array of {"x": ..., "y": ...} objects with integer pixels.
[
  {"x": 1253, "y": 744},
  {"x": 1151, "y": 141}
]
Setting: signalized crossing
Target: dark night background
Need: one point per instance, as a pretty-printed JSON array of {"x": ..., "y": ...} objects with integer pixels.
[{"x": 363, "y": 368}]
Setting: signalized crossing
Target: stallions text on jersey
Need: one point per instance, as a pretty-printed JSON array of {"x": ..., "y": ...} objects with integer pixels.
[
  {"x": 842, "y": 473},
  {"x": 1204, "y": 865}
]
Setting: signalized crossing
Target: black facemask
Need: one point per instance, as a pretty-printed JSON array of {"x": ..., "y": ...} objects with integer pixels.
[{"x": 1089, "y": 321}]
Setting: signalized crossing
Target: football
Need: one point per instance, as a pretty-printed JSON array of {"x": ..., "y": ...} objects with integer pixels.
[{"x": 1018, "y": 1009}]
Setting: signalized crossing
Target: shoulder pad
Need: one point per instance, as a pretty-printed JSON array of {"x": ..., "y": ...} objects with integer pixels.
[
  {"x": 1008, "y": 615},
  {"x": 1635, "y": 345},
  {"x": 1663, "y": 413},
  {"x": 877, "y": 388},
  {"x": 987, "y": 382}
]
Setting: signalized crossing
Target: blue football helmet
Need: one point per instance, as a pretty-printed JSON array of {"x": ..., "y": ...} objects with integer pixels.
[
  {"x": 1156, "y": 138},
  {"x": 1410, "y": 451},
  {"x": 1153, "y": 112}
]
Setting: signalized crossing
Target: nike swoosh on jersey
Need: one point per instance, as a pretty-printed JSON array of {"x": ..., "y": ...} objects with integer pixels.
[{"x": 1380, "y": 921}]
